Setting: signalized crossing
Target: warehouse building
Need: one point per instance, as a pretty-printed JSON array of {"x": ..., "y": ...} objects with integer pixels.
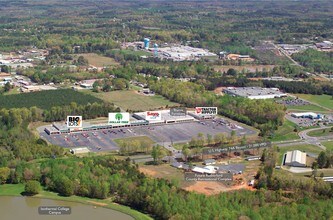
[
  {"x": 255, "y": 92},
  {"x": 295, "y": 158}
]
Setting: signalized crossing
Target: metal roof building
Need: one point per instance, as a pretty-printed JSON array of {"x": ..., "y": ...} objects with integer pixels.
[
  {"x": 295, "y": 158},
  {"x": 254, "y": 92},
  {"x": 310, "y": 115}
]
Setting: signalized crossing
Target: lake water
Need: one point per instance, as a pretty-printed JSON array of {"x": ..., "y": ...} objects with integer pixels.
[{"x": 26, "y": 208}]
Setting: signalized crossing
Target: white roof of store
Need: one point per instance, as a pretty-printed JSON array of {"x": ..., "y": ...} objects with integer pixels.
[{"x": 300, "y": 114}]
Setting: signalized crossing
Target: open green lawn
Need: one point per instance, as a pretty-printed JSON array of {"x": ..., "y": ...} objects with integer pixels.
[
  {"x": 313, "y": 108},
  {"x": 137, "y": 53},
  {"x": 17, "y": 189},
  {"x": 11, "y": 189},
  {"x": 322, "y": 100},
  {"x": 328, "y": 145},
  {"x": 13, "y": 91},
  {"x": 285, "y": 132},
  {"x": 326, "y": 172},
  {"x": 131, "y": 100},
  {"x": 321, "y": 132},
  {"x": 98, "y": 60},
  {"x": 144, "y": 139},
  {"x": 304, "y": 147}
]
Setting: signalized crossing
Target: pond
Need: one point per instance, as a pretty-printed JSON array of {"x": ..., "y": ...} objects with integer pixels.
[{"x": 27, "y": 208}]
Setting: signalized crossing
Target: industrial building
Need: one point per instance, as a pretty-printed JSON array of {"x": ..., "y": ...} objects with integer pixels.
[
  {"x": 255, "y": 92},
  {"x": 310, "y": 115},
  {"x": 181, "y": 53},
  {"x": 295, "y": 158}
]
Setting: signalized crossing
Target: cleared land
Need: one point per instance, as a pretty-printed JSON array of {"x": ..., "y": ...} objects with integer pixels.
[
  {"x": 131, "y": 100},
  {"x": 42, "y": 99},
  {"x": 176, "y": 176},
  {"x": 98, "y": 60},
  {"x": 322, "y": 100}
]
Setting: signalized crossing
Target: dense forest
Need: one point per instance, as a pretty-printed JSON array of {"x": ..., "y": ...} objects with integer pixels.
[
  {"x": 316, "y": 61},
  {"x": 100, "y": 27}
]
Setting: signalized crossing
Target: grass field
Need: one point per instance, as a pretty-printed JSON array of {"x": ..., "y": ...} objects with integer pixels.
[
  {"x": 144, "y": 139},
  {"x": 46, "y": 99},
  {"x": 13, "y": 91},
  {"x": 137, "y": 53},
  {"x": 314, "y": 108},
  {"x": 17, "y": 189},
  {"x": 131, "y": 100},
  {"x": 285, "y": 132},
  {"x": 328, "y": 145},
  {"x": 321, "y": 132},
  {"x": 98, "y": 60},
  {"x": 305, "y": 147},
  {"x": 322, "y": 100}
]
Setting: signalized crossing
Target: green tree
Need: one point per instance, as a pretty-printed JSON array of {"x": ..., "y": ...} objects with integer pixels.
[
  {"x": 7, "y": 87},
  {"x": 82, "y": 61},
  {"x": 157, "y": 153},
  {"x": 4, "y": 174},
  {"x": 231, "y": 72},
  {"x": 32, "y": 187},
  {"x": 314, "y": 169},
  {"x": 65, "y": 186},
  {"x": 186, "y": 152},
  {"x": 322, "y": 159}
]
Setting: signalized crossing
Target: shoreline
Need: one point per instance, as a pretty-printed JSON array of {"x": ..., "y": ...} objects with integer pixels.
[{"x": 17, "y": 189}]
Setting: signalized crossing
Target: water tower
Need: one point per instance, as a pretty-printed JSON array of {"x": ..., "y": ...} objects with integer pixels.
[
  {"x": 155, "y": 50},
  {"x": 146, "y": 43}
]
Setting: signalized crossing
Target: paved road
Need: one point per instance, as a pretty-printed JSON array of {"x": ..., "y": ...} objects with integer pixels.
[
  {"x": 286, "y": 54},
  {"x": 314, "y": 140}
]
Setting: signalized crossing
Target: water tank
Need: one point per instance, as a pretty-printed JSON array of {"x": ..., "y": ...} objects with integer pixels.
[{"x": 146, "y": 43}]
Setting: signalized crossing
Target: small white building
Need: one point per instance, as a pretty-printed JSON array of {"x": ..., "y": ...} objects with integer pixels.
[
  {"x": 295, "y": 158},
  {"x": 209, "y": 162},
  {"x": 80, "y": 150},
  {"x": 310, "y": 115}
]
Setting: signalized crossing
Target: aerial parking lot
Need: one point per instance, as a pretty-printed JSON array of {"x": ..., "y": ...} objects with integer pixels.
[{"x": 102, "y": 140}]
